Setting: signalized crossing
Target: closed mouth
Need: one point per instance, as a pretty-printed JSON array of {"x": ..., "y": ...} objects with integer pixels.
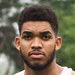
[{"x": 36, "y": 53}]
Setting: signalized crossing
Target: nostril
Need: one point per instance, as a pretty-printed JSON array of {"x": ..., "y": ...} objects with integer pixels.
[
  {"x": 36, "y": 48},
  {"x": 32, "y": 47}
]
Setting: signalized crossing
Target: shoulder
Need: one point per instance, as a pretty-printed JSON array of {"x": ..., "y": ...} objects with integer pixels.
[{"x": 73, "y": 72}]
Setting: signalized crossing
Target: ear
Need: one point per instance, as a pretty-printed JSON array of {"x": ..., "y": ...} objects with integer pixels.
[
  {"x": 17, "y": 43},
  {"x": 58, "y": 43}
]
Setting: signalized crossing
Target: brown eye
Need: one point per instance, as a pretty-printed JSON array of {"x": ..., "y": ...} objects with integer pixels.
[
  {"x": 27, "y": 37},
  {"x": 46, "y": 37}
]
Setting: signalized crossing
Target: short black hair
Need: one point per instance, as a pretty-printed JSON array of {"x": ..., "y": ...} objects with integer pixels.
[{"x": 38, "y": 13}]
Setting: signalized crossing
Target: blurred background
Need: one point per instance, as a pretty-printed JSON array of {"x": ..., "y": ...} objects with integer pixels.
[{"x": 10, "y": 60}]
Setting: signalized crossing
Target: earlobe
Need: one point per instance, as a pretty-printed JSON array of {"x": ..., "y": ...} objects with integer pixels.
[
  {"x": 17, "y": 43},
  {"x": 58, "y": 43}
]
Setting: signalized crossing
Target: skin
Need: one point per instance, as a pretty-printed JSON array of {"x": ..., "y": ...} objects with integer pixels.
[{"x": 46, "y": 44}]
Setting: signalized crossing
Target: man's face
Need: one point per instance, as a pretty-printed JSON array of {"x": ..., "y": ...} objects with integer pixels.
[{"x": 37, "y": 44}]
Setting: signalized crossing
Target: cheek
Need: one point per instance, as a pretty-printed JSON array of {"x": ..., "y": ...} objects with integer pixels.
[
  {"x": 24, "y": 47},
  {"x": 49, "y": 47}
]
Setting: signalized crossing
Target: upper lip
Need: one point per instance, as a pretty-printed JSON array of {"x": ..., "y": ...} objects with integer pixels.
[{"x": 36, "y": 53}]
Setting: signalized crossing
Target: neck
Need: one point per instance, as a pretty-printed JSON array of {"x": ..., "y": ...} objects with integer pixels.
[{"x": 52, "y": 69}]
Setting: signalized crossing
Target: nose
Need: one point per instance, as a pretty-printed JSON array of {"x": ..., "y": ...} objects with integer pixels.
[{"x": 36, "y": 44}]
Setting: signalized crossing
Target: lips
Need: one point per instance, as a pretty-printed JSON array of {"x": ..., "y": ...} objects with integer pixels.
[{"x": 36, "y": 54}]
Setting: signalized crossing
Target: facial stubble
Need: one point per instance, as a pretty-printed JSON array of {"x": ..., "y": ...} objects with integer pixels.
[{"x": 39, "y": 67}]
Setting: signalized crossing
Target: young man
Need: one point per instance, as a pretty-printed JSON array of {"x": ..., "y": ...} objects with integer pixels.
[{"x": 38, "y": 42}]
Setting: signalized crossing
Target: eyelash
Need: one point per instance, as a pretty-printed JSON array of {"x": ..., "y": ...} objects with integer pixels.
[
  {"x": 44, "y": 37},
  {"x": 27, "y": 37}
]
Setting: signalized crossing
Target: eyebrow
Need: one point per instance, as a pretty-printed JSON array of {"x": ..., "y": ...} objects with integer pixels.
[
  {"x": 27, "y": 32},
  {"x": 45, "y": 32}
]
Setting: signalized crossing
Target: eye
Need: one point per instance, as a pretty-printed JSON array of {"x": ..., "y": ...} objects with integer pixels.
[
  {"x": 27, "y": 37},
  {"x": 46, "y": 37}
]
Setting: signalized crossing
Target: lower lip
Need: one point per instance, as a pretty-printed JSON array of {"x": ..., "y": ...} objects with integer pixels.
[{"x": 37, "y": 56}]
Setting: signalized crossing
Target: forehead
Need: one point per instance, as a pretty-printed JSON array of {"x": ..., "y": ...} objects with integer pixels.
[{"x": 36, "y": 26}]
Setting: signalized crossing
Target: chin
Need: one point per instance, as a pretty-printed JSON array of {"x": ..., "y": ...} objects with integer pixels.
[{"x": 38, "y": 63}]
